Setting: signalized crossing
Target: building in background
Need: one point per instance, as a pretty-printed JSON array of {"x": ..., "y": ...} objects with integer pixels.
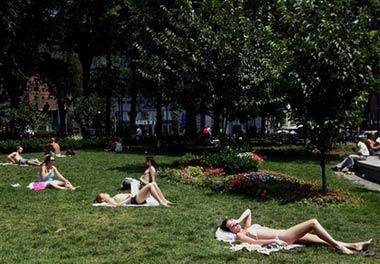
[{"x": 38, "y": 96}]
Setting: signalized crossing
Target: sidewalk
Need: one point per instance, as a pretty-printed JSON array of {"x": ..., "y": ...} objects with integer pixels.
[{"x": 360, "y": 181}]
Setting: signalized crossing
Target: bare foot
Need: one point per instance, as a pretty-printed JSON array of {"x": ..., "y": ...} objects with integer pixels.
[
  {"x": 344, "y": 250},
  {"x": 363, "y": 245},
  {"x": 166, "y": 205}
]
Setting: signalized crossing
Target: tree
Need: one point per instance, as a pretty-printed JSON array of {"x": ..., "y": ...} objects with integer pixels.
[
  {"x": 329, "y": 70},
  {"x": 62, "y": 73}
]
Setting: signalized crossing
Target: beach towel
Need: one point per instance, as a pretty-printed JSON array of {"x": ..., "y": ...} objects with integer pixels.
[{"x": 236, "y": 245}]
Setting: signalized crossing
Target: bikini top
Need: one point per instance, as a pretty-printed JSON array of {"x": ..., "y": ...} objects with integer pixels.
[{"x": 253, "y": 230}]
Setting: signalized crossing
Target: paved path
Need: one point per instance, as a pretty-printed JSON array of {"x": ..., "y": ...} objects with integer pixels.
[{"x": 360, "y": 181}]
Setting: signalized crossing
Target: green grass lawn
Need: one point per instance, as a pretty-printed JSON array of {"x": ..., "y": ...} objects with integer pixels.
[{"x": 183, "y": 233}]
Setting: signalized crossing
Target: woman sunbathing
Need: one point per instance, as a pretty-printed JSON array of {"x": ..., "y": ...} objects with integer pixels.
[
  {"x": 151, "y": 189},
  {"x": 261, "y": 235},
  {"x": 47, "y": 173},
  {"x": 150, "y": 172}
]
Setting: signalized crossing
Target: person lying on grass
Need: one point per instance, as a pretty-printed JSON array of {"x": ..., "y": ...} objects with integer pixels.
[
  {"x": 47, "y": 174},
  {"x": 151, "y": 189},
  {"x": 16, "y": 158},
  {"x": 261, "y": 235}
]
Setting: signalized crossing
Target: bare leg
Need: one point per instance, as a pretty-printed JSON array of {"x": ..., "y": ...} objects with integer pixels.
[
  {"x": 56, "y": 185},
  {"x": 313, "y": 239},
  {"x": 158, "y": 190},
  {"x": 147, "y": 190},
  {"x": 297, "y": 232},
  {"x": 34, "y": 162}
]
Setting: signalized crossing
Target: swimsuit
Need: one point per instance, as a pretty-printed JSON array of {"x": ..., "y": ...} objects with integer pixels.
[
  {"x": 50, "y": 177},
  {"x": 23, "y": 161},
  {"x": 255, "y": 229},
  {"x": 133, "y": 201}
]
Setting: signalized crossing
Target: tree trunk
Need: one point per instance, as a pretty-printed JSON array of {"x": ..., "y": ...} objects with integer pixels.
[
  {"x": 62, "y": 116},
  {"x": 158, "y": 128},
  {"x": 263, "y": 126},
  {"x": 133, "y": 95},
  {"x": 108, "y": 114},
  {"x": 108, "y": 97},
  {"x": 323, "y": 169},
  {"x": 216, "y": 127},
  {"x": 86, "y": 61},
  {"x": 191, "y": 130}
]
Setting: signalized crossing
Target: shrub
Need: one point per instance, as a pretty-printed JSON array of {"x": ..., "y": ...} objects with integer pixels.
[
  {"x": 188, "y": 160},
  {"x": 230, "y": 161},
  {"x": 37, "y": 144}
]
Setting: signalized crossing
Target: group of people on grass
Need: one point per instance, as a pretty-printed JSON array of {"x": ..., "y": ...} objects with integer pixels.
[
  {"x": 370, "y": 147},
  {"x": 52, "y": 149},
  {"x": 48, "y": 171},
  {"x": 248, "y": 233}
]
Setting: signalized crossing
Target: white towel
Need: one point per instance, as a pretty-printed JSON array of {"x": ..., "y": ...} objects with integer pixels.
[{"x": 229, "y": 237}]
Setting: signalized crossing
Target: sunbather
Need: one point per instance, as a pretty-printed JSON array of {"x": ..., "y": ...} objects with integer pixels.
[
  {"x": 261, "y": 235},
  {"x": 47, "y": 173},
  {"x": 151, "y": 189},
  {"x": 150, "y": 174},
  {"x": 16, "y": 158}
]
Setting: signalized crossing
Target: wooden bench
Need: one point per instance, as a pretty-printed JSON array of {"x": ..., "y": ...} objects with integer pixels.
[{"x": 369, "y": 169}]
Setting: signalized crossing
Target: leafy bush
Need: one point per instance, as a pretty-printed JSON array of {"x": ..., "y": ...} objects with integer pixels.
[
  {"x": 259, "y": 184},
  {"x": 37, "y": 144},
  {"x": 230, "y": 161},
  {"x": 188, "y": 160}
]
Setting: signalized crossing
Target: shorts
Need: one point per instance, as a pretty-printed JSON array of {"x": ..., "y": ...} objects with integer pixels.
[
  {"x": 23, "y": 162},
  {"x": 133, "y": 201}
]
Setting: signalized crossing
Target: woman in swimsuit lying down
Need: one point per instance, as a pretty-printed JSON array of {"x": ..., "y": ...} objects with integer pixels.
[
  {"x": 261, "y": 235},
  {"x": 151, "y": 189}
]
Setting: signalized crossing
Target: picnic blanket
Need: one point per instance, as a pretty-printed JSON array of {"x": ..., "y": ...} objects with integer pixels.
[{"x": 235, "y": 245}]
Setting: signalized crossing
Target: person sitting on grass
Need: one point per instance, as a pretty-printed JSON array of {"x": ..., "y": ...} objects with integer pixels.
[
  {"x": 47, "y": 174},
  {"x": 348, "y": 163},
  {"x": 16, "y": 158},
  {"x": 300, "y": 234},
  {"x": 53, "y": 148},
  {"x": 151, "y": 189},
  {"x": 150, "y": 172}
]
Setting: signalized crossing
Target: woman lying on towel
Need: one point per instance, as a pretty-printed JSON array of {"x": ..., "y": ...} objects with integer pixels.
[
  {"x": 261, "y": 235},
  {"x": 47, "y": 173},
  {"x": 151, "y": 189}
]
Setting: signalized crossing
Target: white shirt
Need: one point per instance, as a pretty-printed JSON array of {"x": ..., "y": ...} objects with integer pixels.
[{"x": 362, "y": 149}]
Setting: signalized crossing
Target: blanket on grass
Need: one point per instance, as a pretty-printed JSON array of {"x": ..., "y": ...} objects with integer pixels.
[{"x": 235, "y": 245}]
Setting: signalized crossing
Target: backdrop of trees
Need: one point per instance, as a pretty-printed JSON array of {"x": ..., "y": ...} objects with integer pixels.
[{"x": 227, "y": 58}]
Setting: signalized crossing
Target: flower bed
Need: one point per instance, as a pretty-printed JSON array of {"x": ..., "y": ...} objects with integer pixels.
[{"x": 259, "y": 184}]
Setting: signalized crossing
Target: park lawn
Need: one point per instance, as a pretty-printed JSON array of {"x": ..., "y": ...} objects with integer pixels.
[{"x": 184, "y": 233}]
